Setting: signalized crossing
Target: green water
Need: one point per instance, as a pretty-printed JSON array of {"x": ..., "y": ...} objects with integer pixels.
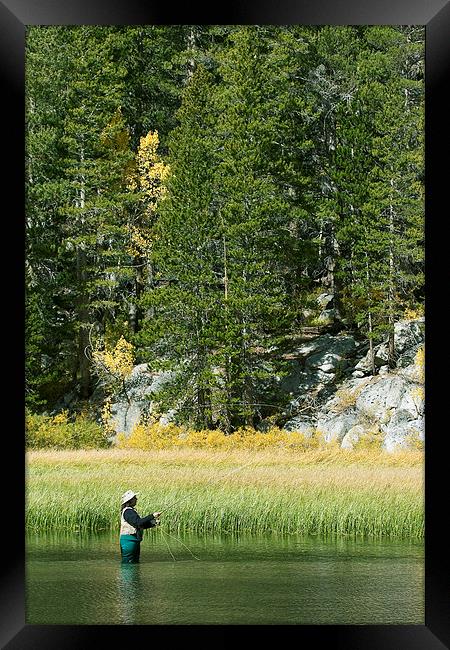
[{"x": 78, "y": 579}]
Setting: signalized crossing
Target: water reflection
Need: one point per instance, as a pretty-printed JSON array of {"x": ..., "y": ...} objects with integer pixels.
[
  {"x": 224, "y": 580},
  {"x": 130, "y": 591}
]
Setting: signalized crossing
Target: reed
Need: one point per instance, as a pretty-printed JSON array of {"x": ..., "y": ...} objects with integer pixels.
[{"x": 321, "y": 492}]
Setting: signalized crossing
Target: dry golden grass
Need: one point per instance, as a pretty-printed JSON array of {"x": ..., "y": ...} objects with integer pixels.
[
  {"x": 279, "y": 468},
  {"x": 331, "y": 456}
]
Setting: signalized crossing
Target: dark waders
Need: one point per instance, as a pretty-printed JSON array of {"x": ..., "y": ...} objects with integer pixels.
[{"x": 130, "y": 548}]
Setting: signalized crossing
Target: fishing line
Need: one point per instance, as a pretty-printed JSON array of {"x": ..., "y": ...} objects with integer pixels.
[
  {"x": 168, "y": 547},
  {"x": 236, "y": 469},
  {"x": 179, "y": 540}
]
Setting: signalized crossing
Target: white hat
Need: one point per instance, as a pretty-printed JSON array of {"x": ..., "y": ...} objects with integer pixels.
[{"x": 129, "y": 494}]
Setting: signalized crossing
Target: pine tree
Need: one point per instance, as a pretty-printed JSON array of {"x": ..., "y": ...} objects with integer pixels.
[
  {"x": 255, "y": 214},
  {"x": 182, "y": 334},
  {"x": 376, "y": 173},
  {"x": 154, "y": 73},
  {"x": 87, "y": 184},
  {"x": 395, "y": 89},
  {"x": 95, "y": 173},
  {"x": 331, "y": 83},
  {"x": 49, "y": 360}
]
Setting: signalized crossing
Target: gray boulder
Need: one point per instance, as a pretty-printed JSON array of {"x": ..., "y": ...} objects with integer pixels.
[
  {"x": 390, "y": 402},
  {"x": 325, "y": 299},
  {"x": 345, "y": 397},
  {"x": 353, "y": 436},
  {"x": 382, "y": 396},
  {"x": 403, "y": 434},
  {"x": 135, "y": 402},
  {"x": 380, "y": 359},
  {"x": 328, "y": 316},
  {"x": 125, "y": 416},
  {"x": 408, "y": 335},
  {"x": 325, "y": 354},
  {"x": 326, "y": 361},
  {"x": 334, "y": 427},
  {"x": 313, "y": 373},
  {"x": 404, "y": 424}
]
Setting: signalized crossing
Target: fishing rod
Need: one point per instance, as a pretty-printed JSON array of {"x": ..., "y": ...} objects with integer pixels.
[
  {"x": 178, "y": 501},
  {"x": 236, "y": 469}
]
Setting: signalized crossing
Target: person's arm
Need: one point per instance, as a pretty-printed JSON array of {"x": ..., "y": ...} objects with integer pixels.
[
  {"x": 132, "y": 517},
  {"x": 148, "y": 522}
]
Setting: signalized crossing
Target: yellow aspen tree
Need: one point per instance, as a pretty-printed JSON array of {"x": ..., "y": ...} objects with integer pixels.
[
  {"x": 114, "y": 365},
  {"x": 150, "y": 173},
  {"x": 148, "y": 181}
]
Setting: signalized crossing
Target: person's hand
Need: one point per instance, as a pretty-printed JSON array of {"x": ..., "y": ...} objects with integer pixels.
[{"x": 156, "y": 516}]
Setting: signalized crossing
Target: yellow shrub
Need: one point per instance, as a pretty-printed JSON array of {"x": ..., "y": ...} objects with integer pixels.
[
  {"x": 139, "y": 439},
  {"x": 196, "y": 439},
  {"x": 414, "y": 314},
  {"x": 419, "y": 363},
  {"x": 372, "y": 439},
  {"x": 298, "y": 440},
  {"x": 216, "y": 438},
  {"x": 57, "y": 432},
  {"x": 149, "y": 436},
  {"x": 60, "y": 418},
  {"x": 157, "y": 436}
]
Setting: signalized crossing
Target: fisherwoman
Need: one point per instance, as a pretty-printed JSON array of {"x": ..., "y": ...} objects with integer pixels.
[{"x": 131, "y": 527}]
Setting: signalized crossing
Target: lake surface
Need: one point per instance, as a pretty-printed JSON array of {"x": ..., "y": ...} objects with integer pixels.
[{"x": 78, "y": 579}]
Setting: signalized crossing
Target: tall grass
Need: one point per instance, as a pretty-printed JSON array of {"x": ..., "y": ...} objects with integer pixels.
[{"x": 319, "y": 492}]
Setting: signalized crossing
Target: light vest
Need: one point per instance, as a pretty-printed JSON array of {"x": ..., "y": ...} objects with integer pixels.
[{"x": 128, "y": 529}]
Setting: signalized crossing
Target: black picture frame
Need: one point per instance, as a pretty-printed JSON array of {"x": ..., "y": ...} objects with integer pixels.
[{"x": 15, "y": 15}]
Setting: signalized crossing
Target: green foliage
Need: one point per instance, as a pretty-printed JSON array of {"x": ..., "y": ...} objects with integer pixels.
[{"x": 296, "y": 167}]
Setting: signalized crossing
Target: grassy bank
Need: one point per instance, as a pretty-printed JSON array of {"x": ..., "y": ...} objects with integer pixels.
[{"x": 324, "y": 491}]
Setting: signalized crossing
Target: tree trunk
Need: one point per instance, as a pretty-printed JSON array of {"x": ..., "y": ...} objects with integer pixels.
[
  {"x": 370, "y": 323},
  {"x": 204, "y": 410},
  {"x": 150, "y": 313},
  {"x": 228, "y": 417},
  {"x": 391, "y": 296},
  {"x": 83, "y": 325},
  {"x": 247, "y": 393},
  {"x": 135, "y": 312},
  {"x": 191, "y": 62},
  {"x": 371, "y": 350},
  {"x": 335, "y": 285},
  {"x": 82, "y": 302}
]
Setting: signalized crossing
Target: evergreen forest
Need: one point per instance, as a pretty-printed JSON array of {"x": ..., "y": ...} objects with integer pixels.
[{"x": 192, "y": 189}]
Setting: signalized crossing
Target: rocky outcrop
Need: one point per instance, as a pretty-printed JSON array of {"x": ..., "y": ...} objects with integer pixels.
[
  {"x": 350, "y": 403},
  {"x": 316, "y": 363},
  {"x": 408, "y": 336},
  {"x": 329, "y": 388},
  {"x": 135, "y": 402}
]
